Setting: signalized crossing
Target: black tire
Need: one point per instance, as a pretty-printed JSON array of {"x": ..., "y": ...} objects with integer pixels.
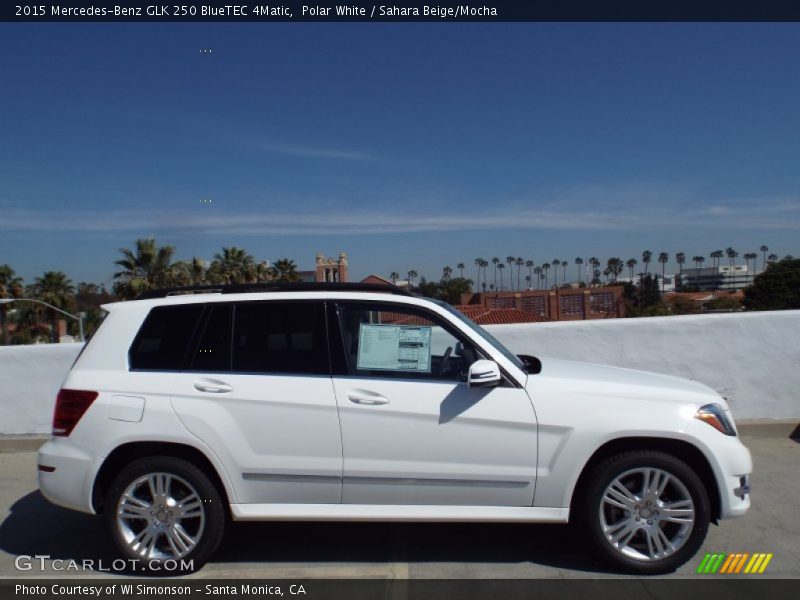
[
  {"x": 590, "y": 521},
  {"x": 209, "y": 528}
]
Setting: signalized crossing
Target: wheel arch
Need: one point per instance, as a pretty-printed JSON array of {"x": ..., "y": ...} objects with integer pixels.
[
  {"x": 126, "y": 453},
  {"x": 686, "y": 451}
]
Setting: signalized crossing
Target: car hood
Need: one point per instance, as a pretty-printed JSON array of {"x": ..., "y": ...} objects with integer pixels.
[{"x": 603, "y": 380}]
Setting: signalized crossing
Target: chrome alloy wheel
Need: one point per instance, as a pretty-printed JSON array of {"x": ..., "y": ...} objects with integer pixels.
[
  {"x": 646, "y": 514},
  {"x": 160, "y": 516}
]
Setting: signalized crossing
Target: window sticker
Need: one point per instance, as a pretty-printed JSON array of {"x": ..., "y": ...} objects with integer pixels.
[{"x": 394, "y": 348}]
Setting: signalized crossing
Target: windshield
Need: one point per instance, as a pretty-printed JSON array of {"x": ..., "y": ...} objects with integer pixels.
[{"x": 483, "y": 333}]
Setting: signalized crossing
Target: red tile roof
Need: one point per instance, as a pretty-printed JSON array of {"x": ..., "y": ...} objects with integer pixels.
[{"x": 498, "y": 316}]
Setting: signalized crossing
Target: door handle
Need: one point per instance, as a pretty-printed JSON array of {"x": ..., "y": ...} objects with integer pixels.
[
  {"x": 367, "y": 398},
  {"x": 212, "y": 387}
]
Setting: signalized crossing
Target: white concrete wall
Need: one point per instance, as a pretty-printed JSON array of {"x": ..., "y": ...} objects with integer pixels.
[
  {"x": 30, "y": 377},
  {"x": 752, "y": 358}
]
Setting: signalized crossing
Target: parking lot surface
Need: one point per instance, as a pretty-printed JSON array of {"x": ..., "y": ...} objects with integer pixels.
[{"x": 29, "y": 525}]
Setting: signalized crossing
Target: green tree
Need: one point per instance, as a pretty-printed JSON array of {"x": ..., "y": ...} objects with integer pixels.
[
  {"x": 147, "y": 267},
  {"x": 447, "y": 272},
  {"x": 55, "y": 288},
  {"x": 495, "y": 262},
  {"x": 777, "y": 288},
  {"x": 10, "y": 287},
  {"x": 394, "y": 276},
  {"x": 501, "y": 266},
  {"x": 519, "y": 262},
  {"x": 411, "y": 275}
]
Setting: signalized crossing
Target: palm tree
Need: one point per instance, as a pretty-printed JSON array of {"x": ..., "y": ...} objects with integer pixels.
[
  {"x": 564, "y": 267},
  {"x": 764, "y": 251},
  {"x": 647, "y": 256},
  {"x": 556, "y": 263},
  {"x": 716, "y": 255},
  {"x": 10, "y": 287},
  {"x": 698, "y": 262},
  {"x": 631, "y": 264},
  {"x": 663, "y": 258},
  {"x": 495, "y": 262},
  {"x": 511, "y": 260},
  {"x": 748, "y": 256},
  {"x": 545, "y": 268},
  {"x": 460, "y": 266},
  {"x": 538, "y": 272},
  {"x": 614, "y": 267},
  {"x": 680, "y": 258},
  {"x": 447, "y": 272},
  {"x": 479, "y": 264},
  {"x": 146, "y": 268},
  {"x": 191, "y": 272},
  {"x": 55, "y": 288},
  {"x": 772, "y": 258},
  {"x": 594, "y": 263},
  {"x": 394, "y": 276},
  {"x": 529, "y": 264},
  {"x": 579, "y": 262},
  {"x": 233, "y": 265},
  {"x": 731, "y": 254},
  {"x": 412, "y": 275},
  {"x": 285, "y": 269},
  {"x": 501, "y": 266},
  {"x": 519, "y": 262}
]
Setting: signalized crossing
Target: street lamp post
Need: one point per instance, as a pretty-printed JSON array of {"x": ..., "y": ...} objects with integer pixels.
[{"x": 79, "y": 317}]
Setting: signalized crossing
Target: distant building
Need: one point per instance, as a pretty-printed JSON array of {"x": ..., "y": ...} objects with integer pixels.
[
  {"x": 719, "y": 278},
  {"x": 561, "y": 304},
  {"x": 328, "y": 270}
]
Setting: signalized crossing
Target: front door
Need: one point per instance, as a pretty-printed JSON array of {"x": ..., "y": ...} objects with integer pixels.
[{"x": 413, "y": 432}]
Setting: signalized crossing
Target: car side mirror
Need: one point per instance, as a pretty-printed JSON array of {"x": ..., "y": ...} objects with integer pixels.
[{"x": 484, "y": 373}]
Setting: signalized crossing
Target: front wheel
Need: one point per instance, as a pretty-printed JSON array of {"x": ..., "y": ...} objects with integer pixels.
[
  {"x": 645, "y": 512},
  {"x": 161, "y": 509}
]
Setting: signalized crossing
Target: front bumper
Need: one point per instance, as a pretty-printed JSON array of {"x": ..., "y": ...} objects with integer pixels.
[
  {"x": 733, "y": 468},
  {"x": 65, "y": 474}
]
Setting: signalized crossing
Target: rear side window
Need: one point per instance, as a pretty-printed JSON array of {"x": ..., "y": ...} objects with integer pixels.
[
  {"x": 280, "y": 337},
  {"x": 164, "y": 338}
]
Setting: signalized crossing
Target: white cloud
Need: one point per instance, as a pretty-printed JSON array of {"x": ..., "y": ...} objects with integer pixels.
[{"x": 763, "y": 215}]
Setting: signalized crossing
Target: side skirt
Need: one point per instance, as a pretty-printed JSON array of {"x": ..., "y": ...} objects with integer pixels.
[{"x": 400, "y": 512}]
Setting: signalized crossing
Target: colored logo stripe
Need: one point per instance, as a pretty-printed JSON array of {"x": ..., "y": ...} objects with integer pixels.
[{"x": 724, "y": 563}]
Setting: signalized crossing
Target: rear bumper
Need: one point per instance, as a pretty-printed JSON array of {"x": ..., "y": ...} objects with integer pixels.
[{"x": 65, "y": 474}]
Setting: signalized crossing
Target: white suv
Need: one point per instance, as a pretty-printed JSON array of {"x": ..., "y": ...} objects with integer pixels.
[{"x": 350, "y": 402}]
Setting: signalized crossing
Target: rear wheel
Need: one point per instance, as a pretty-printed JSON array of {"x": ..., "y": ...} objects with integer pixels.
[
  {"x": 163, "y": 508},
  {"x": 645, "y": 512}
]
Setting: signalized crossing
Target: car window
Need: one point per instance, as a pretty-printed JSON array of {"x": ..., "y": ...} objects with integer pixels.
[
  {"x": 213, "y": 351},
  {"x": 164, "y": 337},
  {"x": 280, "y": 337},
  {"x": 382, "y": 340}
]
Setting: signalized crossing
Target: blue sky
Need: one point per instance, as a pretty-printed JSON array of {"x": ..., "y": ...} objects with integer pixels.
[{"x": 405, "y": 145}]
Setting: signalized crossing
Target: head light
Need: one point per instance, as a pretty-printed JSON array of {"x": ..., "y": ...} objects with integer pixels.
[{"x": 714, "y": 415}]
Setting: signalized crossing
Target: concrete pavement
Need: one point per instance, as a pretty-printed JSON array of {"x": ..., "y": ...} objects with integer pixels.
[{"x": 29, "y": 525}]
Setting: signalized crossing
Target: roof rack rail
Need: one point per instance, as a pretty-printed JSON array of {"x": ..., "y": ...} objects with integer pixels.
[{"x": 305, "y": 286}]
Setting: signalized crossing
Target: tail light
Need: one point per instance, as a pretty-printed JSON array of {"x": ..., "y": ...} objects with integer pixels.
[{"x": 70, "y": 406}]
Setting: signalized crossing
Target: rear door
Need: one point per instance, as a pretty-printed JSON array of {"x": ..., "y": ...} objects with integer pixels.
[{"x": 257, "y": 389}]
